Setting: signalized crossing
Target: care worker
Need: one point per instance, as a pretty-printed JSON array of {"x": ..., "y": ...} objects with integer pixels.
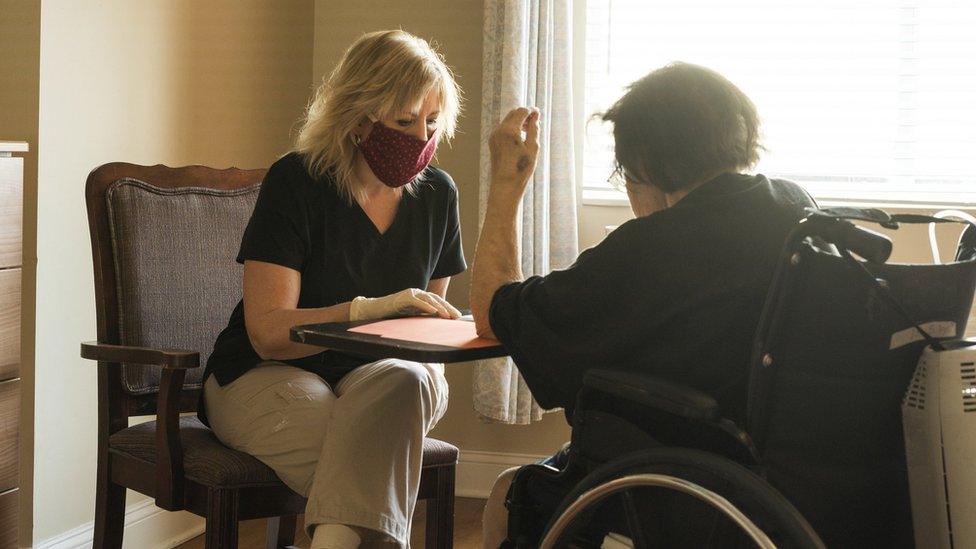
[{"x": 355, "y": 224}]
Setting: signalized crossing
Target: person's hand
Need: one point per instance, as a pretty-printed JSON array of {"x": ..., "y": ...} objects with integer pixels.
[
  {"x": 407, "y": 302},
  {"x": 514, "y": 146}
]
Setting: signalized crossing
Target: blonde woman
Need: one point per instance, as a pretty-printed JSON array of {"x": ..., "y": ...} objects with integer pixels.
[{"x": 353, "y": 225}]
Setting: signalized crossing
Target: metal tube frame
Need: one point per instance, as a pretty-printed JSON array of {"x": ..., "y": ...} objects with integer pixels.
[{"x": 656, "y": 480}]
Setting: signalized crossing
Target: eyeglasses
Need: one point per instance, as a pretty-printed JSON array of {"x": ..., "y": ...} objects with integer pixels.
[{"x": 620, "y": 176}]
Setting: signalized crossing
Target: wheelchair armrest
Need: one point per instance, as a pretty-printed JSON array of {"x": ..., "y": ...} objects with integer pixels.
[{"x": 654, "y": 392}]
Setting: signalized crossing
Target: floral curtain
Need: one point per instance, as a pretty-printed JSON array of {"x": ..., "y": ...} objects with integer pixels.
[{"x": 528, "y": 62}]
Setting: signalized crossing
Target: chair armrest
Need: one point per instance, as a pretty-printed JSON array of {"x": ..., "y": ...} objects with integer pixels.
[
  {"x": 168, "y": 358},
  {"x": 654, "y": 392},
  {"x": 170, "y": 478}
]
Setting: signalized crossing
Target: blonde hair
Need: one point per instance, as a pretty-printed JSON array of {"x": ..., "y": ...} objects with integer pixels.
[{"x": 381, "y": 74}]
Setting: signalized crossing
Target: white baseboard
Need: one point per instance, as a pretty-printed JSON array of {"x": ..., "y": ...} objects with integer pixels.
[
  {"x": 146, "y": 527},
  {"x": 477, "y": 471},
  {"x": 149, "y": 527}
]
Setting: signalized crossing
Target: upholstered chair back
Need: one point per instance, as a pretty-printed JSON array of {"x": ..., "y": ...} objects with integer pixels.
[{"x": 176, "y": 278}]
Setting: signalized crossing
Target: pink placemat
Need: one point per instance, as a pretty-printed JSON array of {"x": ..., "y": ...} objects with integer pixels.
[{"x": 436, "y": 331}]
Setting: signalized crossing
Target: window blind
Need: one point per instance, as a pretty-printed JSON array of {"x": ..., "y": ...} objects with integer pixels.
[{"x": 860, "y": 99}]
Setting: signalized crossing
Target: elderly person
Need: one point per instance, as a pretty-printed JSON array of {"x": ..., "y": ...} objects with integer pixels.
[
  {"x": 676, "y": 292},
  {"x": 352, "y": 225}
]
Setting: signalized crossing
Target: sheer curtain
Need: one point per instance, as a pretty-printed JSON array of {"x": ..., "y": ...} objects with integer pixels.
[{"x": 528, "y": 61}]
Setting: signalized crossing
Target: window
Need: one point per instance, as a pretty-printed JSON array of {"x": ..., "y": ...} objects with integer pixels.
[{"x": 860, "y": 99}]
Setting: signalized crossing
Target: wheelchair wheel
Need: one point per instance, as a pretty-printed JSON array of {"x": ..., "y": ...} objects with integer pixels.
[{"x": 676, "y": 497}]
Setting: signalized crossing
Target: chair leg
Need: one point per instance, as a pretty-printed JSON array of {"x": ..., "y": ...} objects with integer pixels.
[
  {"x": 440, "y": 512},
  {"x": 109, "y": 509},
  {"x": 281, "y": 532},
  {"x": 222, "y": 508}
]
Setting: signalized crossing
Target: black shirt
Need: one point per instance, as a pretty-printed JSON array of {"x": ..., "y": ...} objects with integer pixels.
[
  {"x": 677, "y": 294},
  {"x": 302, "y": 223}
]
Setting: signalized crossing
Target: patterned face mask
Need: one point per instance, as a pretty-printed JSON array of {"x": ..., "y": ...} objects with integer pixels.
[{"x": 395, "y": 157}]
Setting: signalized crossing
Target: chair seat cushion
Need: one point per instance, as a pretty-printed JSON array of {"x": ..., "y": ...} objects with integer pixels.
[
  {"x": 438, "y": 453},
  {"x": 210, "y": 463}
]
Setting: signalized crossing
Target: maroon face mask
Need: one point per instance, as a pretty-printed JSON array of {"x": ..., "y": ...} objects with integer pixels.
[{"x": 395, "y": 157}]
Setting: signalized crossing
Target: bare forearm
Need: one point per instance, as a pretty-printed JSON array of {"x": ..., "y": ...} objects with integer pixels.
[
  {"x": 270, "y": 337},
  {"x": 439, "y": 286},
  {"x": 496, "y": 261},
  {"x": 514, "y": 148}
]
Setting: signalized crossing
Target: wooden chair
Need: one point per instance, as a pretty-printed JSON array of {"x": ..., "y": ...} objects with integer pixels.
[{"x": 164, "y": 242}]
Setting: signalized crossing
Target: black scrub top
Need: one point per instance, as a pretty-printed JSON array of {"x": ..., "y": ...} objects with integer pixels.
[
  {"x": 302, "y": 223},
  {"x": 676, "y": 294}
]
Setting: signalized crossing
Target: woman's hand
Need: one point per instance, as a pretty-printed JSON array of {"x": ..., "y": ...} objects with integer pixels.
[
  {"x": 514, "y": 146},
  {"x": 403, "y": 303}
]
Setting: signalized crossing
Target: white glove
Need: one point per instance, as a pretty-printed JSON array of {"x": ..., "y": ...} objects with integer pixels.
[{"x": 407, "y": 302}]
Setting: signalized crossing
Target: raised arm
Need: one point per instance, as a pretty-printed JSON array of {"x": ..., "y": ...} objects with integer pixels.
[{"x": 514, "y": 148}]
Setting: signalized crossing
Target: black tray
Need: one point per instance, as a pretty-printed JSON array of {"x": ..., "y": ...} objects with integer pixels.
[{"x": 336, "y": 336}]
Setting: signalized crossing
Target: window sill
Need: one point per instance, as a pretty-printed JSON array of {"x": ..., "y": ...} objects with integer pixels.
[
  {"x": 604, "y": 197},
  {"x": 613, "y": 198}
]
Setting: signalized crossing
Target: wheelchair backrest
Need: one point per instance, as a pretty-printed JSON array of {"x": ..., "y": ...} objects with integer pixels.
[{"x": 832, "y": 360}]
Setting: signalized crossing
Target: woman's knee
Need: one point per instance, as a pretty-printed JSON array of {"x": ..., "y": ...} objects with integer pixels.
[
  {"x": 405, "y": 377},
  {"x": 422, "y": 385},
  {"x": 408, "y": 371},
  {"x": 394, "y": 388}
]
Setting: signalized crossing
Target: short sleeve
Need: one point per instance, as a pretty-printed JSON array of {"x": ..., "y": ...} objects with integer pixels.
[
  {"x": 557, "y": 326},
  {"x": 278, "y": 229},
  {"x": 450, "y": 258}
]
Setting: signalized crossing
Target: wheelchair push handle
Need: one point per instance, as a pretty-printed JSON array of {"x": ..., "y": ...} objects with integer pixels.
[{"x": 872, "y": 246}]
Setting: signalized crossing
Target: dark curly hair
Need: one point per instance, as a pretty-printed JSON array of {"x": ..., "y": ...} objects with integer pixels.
[{"x": 683, "y": 123}]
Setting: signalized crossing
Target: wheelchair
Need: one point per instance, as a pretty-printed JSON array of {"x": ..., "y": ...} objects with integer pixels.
[{"x": 820, "y": 459}]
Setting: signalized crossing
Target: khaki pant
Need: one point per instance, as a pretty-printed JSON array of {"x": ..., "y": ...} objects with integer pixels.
[{"x": 355, "y": 452}]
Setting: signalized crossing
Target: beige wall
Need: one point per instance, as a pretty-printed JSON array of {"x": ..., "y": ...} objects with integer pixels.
[
  {"x": 20, "y": 43},
  {"x": 156, "y": 81},
  {"x": 455, "y": 25}
]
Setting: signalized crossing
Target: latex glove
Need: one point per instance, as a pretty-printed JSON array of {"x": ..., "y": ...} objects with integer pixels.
[{"x": 403, "y": 303}]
